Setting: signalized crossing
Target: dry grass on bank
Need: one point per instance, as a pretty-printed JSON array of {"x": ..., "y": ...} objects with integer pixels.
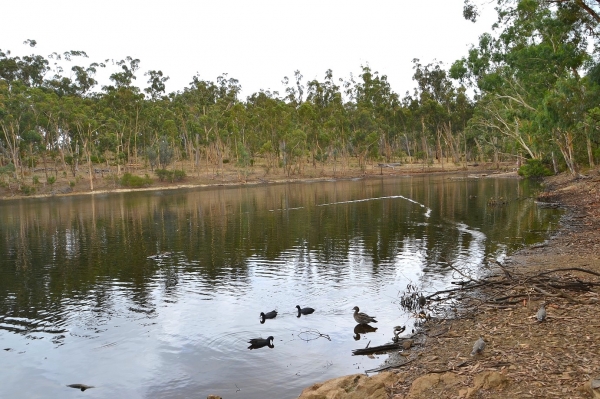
[{"x": 106, "y": 179}]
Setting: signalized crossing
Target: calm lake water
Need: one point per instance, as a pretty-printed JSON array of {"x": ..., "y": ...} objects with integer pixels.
[{"x": 83, "y": 299}]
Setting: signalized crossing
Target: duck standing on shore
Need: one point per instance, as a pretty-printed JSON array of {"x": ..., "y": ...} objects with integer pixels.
[
  {"x": 478, "y": 347},
  {"x": 362, "y": 318},
  {"x": 541, "y": 313}
]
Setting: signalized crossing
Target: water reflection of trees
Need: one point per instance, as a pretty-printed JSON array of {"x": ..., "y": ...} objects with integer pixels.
[{"x": 61, "y": 248}]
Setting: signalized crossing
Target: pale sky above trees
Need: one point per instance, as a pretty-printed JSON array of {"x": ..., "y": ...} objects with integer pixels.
[{"x": 257, "y": 42}]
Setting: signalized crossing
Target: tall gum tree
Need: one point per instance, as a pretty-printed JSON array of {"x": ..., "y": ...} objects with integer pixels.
[{"x": 543, "y": 46}]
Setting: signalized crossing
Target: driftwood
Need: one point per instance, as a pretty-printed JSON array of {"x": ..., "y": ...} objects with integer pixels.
[
  {"x": 511, "y": 287},
  {"x": 377, "y": 349}
]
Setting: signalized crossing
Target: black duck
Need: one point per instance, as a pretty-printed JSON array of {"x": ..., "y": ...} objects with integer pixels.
[
  {"x": 304, "y": 310},
  {"x": 256, "y": 343},
  {"x": 269, "y": 315}
]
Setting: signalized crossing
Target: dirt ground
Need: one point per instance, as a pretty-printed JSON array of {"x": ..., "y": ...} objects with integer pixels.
[{"x": 523, "y": 358}]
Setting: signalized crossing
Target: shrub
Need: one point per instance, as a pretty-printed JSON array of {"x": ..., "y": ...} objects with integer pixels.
[
  {"x": 97, "y": 159},
  {"x": 164, "y": 174},
  {"x": 7, "y": 169},
  {"x": 534, "y": 168},
  {"x": 170, "y": 175},
  {"x": 27, "y": 190},
  {"x": 129, "y": 180},
  {"x": 165, "y": 153},
  {"x": 51, "y": 180},
  {"x": 179, "y": 175}
]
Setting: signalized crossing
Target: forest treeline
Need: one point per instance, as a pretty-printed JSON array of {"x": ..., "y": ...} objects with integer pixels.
[{"x": 529, "y": 89}]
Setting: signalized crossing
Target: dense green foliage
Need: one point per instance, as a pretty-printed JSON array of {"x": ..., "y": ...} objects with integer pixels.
[
  {"x": 170, "y": 175},
  {"x": 129, "y": 180},
  {"x": 530, "y": 89},
  {"x": 534, "y": 168},
  {"x": 537, "y": 80}
]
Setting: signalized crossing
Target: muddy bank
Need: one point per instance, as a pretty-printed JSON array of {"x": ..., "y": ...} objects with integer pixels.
[{"x": 523, "y": 358}]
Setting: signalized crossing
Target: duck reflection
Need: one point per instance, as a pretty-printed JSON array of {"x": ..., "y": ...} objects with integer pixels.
[
  {"x": 257, "y": 343},
  {"x": 362, "y": 329}
]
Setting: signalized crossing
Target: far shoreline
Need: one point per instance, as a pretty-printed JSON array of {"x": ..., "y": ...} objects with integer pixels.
[{"x": 229, "y": 181}]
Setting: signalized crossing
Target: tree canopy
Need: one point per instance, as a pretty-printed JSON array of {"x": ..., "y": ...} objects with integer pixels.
[{"x": 528, "y": 89}]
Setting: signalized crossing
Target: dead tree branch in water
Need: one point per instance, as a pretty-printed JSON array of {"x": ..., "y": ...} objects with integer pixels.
[{"x": 512, "y": 287}]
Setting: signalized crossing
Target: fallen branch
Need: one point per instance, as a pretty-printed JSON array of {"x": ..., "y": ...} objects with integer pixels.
[{"x": 377, "y": 349}]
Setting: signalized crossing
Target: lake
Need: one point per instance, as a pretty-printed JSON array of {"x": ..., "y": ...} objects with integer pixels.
[{"x": 155, "y": 294}]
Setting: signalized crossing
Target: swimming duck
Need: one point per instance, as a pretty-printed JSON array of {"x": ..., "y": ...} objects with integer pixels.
[
  {"x": 269, "y": 315},
  {"x": 256, "y": 343},
  {"x": 304, "y": 310},
  {"x": 362, "y": 318}
]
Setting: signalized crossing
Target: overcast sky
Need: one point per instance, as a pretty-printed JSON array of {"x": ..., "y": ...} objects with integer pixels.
[{"x": 257, "y": 42}]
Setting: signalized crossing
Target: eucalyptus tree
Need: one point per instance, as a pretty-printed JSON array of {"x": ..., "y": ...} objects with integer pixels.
[
  {"x": 15, "y": 119},
  {"x": 208, "y": 109},
  {"x": 294, "y": 90},
  {"x": 157, "y": 117},
  {"x": 330, "y": 118},
  {"x": 529, "y": 75},
  {"x": 192, "y": 108},
  {"x": 156, "y": 84},
  {"x": 87, "y": 123},
  {"x": 226, "y": 125},
  {"x": 438, "y": 104},
  {"x": 122, "y": 105},
  {"x": 270, "y": 118},
  {"x": 245, "y": 145},
  {"x": 372, "y": 116},
  {"x": 414, "y": 139}
]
